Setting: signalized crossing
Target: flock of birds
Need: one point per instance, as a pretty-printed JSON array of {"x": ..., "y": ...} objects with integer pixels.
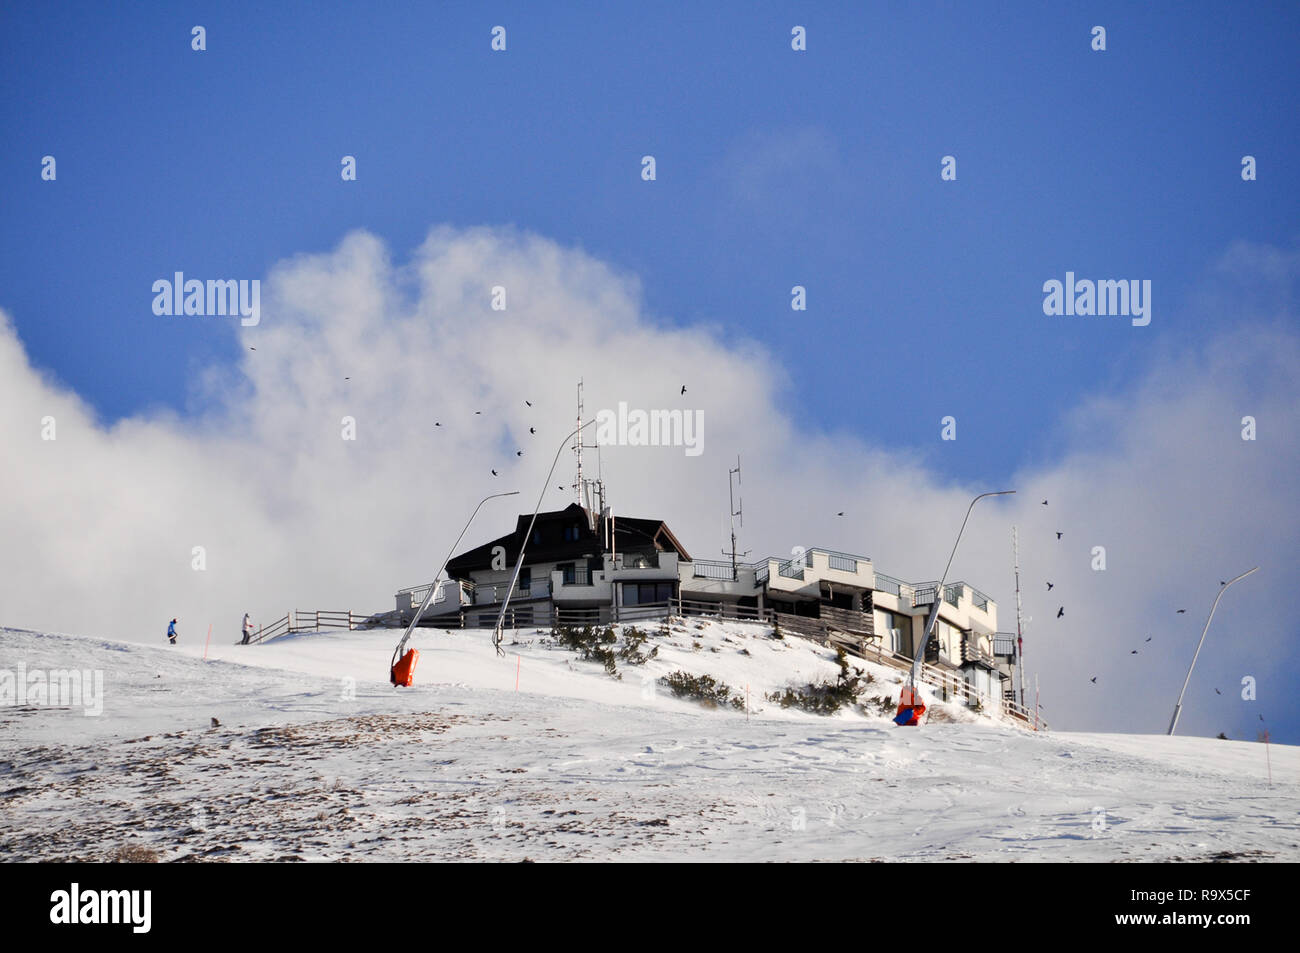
[
  {"x": 1060, "y": 613},
  {"x": 531, "y": 430}
]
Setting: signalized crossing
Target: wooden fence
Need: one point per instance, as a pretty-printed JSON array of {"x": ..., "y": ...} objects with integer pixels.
[
  {"x": 849, "y": 629},
  {"x": 306, "y": 620}
]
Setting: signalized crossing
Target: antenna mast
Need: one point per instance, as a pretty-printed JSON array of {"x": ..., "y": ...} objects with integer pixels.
[
  {"x": 1020, "y": 638},
  {"x": 580, "y": 486},
  {"x": 577, "y": 448},
  {"x": 736, "y": 510}
]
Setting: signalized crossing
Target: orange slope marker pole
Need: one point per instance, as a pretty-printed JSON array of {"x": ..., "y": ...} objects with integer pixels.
[
  {"x": 205, "y": 644},
  {"x": 518, "y": 662}
]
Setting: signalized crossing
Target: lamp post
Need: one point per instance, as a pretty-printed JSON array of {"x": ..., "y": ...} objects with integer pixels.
[
  {"x": 938, "y": 596},
  {"x": 1173, "y": 722},
  {"x": 433, "y": 589},
  {"x": 497, "y": 631}
]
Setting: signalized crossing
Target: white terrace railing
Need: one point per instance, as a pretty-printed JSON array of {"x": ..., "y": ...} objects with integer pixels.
[{"x": 306, "y": 620}]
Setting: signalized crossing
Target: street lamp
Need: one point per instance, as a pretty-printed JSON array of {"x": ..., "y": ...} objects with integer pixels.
[
  {"x": 1173, "y": 722},
  {"x": 497, "y": 631},
  {"x": 909, "y": 689},
  {"x": 428, "y": 596}
]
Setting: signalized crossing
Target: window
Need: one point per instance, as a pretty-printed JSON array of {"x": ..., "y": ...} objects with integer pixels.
[
  {"x": 525, "y": 580},
  {"x": 569, "y": 571},
  {"x": 898, "y": 630},
  {"x": 949, "y": 638},
  {"x": 646, "y": 593},
  {"x": 571, "y": 533}
]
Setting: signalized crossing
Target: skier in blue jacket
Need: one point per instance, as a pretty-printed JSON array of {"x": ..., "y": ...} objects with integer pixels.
[{"x": 171, "y": 632}]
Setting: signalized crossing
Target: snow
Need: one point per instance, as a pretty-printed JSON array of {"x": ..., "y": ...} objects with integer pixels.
[{"x": 317, "y": 757}]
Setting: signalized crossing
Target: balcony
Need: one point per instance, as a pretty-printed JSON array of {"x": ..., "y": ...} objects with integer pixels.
[
  {"x": 972, "y": 650},
  {"x": 580, "y": 584},
  {"x": 923, "y": 593},
  {"x": 712, "y": 569},
  {"x": 577, "y": 576},
  {"x": 649, "y": 566},
  {"x": 793, "y": 568}
]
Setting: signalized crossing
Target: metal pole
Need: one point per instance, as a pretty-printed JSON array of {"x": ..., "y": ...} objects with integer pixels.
[
  {"x": 1020, "y": 637},
  {"x": 938, "y": 596},
  {"x": 1173, "y": 722},
  {"x": 497, "y": 634},
  {"x": 1038, "y": 708},
  {"x": 434, "y": 588}
]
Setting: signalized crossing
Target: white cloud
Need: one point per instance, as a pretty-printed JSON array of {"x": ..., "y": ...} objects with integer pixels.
[{"x": 99, "y": 524}]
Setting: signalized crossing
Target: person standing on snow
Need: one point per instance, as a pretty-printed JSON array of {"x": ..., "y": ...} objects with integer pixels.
[
  {"x": 171, "y": 632},
  {"x": 248, "y": 629}
]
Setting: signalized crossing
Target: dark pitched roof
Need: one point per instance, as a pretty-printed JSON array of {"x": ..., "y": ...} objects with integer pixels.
[{"x": 550, "y": 545}]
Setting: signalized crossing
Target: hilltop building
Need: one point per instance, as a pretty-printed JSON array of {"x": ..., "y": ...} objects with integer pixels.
[{"x": 583, "y": 565}]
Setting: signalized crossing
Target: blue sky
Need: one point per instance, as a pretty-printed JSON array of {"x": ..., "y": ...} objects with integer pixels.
[{"x": 775, "y": 168}]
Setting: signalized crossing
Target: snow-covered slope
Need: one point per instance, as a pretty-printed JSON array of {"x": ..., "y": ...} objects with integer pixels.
[{"x": 541, "y": 755}]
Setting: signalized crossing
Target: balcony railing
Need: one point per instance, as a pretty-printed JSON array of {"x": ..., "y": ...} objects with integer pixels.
[
  {"x": 979, "y": 599},
  {"x": 712, "y": 569},
  {"x": 842, "y": 562},
  {"x": 923, "y": 594},
  {"x": 889, "y": 584},
  {"x": 972, "y": 651},
  {"x": 577, "y": 576},
  {"x": 793, "y": 568},
  {"x": 639, "y": 561}
]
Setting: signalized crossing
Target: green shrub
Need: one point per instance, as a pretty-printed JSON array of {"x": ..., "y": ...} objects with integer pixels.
[
  {"x": 826, "y": 697},
  {"x": 703, "y": 688},
  {"x": 600, "y": 644},
  {"x": 633, "y": 640}
]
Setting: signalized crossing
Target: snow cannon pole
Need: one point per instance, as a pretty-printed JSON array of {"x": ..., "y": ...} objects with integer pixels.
[
  {"x": 433, "y": 589},
  {"x": 498, "y": 629},
  {"x": 910, "y": 703},
  {"x": 1178, "y": 706}
]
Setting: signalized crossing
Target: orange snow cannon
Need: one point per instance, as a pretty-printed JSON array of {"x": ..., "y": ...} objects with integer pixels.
[
  {"x": 403, "y": 673},
  {"x": 910, "y": 707}
]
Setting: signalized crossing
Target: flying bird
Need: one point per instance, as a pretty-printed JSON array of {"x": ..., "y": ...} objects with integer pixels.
[
  {"x": 519, "y": 453},
  {"x": 1058, "y": 535},
  {"x": 532, "y": 430},
  {"x": 1045, "y": 503},
  {"x": 1222, "y": 583},
  {"x": 437, "y": 424},
  {"x": 1217, "y": 692},
  {"x": 1181, "y": 611},
  {"x": 1060, "y": 612},
  {"x": 1094, "y": 680},
  {"x": 683, "y": 388},
  {"x": 839, "y": 514},
  {"x": 1134, "y": 652},
  {"x": 1049, "y": 586},
  {"x": 252, "y": 349},
  {"x": 478, "y": 411},
  {"x": 529, "y": 403},
  {"x": 494, "y": 473},
  {"x": 1148, "y": 638}
]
